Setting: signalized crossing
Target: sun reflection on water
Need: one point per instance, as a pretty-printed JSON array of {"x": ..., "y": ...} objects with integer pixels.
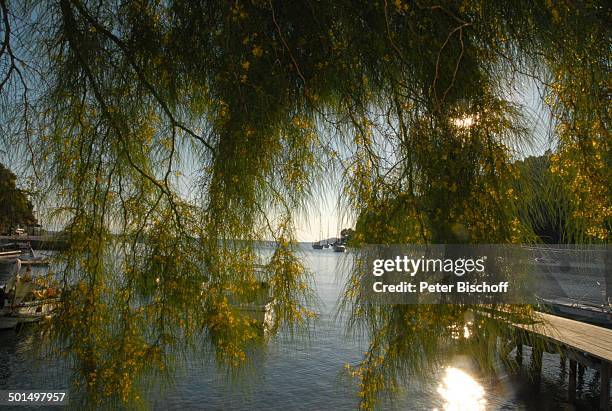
[{"x": 461, "y": 392}]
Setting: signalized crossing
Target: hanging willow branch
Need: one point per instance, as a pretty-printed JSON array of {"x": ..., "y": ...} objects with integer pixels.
[{"x": 176, "y": 134}]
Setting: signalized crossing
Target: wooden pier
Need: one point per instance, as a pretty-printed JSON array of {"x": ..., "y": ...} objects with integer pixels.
[{"x": 585, "y": 345}]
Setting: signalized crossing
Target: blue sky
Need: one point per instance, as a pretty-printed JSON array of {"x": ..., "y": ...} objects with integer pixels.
[{"x": 324, "y": 210}]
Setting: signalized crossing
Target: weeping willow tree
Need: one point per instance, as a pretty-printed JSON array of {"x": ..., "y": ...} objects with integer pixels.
[{"x": 174, "y": 134}]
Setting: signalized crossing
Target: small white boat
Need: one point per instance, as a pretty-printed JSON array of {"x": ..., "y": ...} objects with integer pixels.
[
  {"x": 26, "y": 300},
  {"x": 339, "y": 248},
  {"x": 258, "y": 306}
]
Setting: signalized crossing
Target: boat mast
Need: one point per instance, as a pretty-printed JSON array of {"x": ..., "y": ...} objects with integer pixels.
[{"x": 320, "y": 228}]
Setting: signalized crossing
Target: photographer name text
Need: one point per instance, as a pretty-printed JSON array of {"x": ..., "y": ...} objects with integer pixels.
[{"x": 426, "y": 287}]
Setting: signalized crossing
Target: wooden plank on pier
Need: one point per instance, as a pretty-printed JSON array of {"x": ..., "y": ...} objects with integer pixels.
[{"x": 591, "y": 339}]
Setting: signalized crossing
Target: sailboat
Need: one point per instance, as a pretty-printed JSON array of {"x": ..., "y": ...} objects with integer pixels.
[
  {"x": 318, "y": 245},
  {"x": 339, "y": 246}
]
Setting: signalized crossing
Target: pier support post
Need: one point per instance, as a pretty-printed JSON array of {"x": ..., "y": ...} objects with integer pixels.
[
  {"x": 536, "y": 364},
  {"x": 562, "y": 360},
  {"x": 519, "y": 353},
  {"x": 581, "y": 369},
  {"x": 571, "y": 387},
  {"x": 604, "y": 399}
]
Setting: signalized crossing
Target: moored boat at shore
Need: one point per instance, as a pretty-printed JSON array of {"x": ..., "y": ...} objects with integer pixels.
[
  {"x": 26, "y": 300},
  {"x": 258, "y": 306},
  {"x": 255, "y": 304},
  {"x": 578, "y": 310},
  {"x": 339, "y": 248}
]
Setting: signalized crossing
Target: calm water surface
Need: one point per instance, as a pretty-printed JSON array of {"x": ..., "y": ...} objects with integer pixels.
[{"x": 305, "y": 372}]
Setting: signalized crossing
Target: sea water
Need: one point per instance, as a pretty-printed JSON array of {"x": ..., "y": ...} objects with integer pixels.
[{"x": 305, "y": 371}]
